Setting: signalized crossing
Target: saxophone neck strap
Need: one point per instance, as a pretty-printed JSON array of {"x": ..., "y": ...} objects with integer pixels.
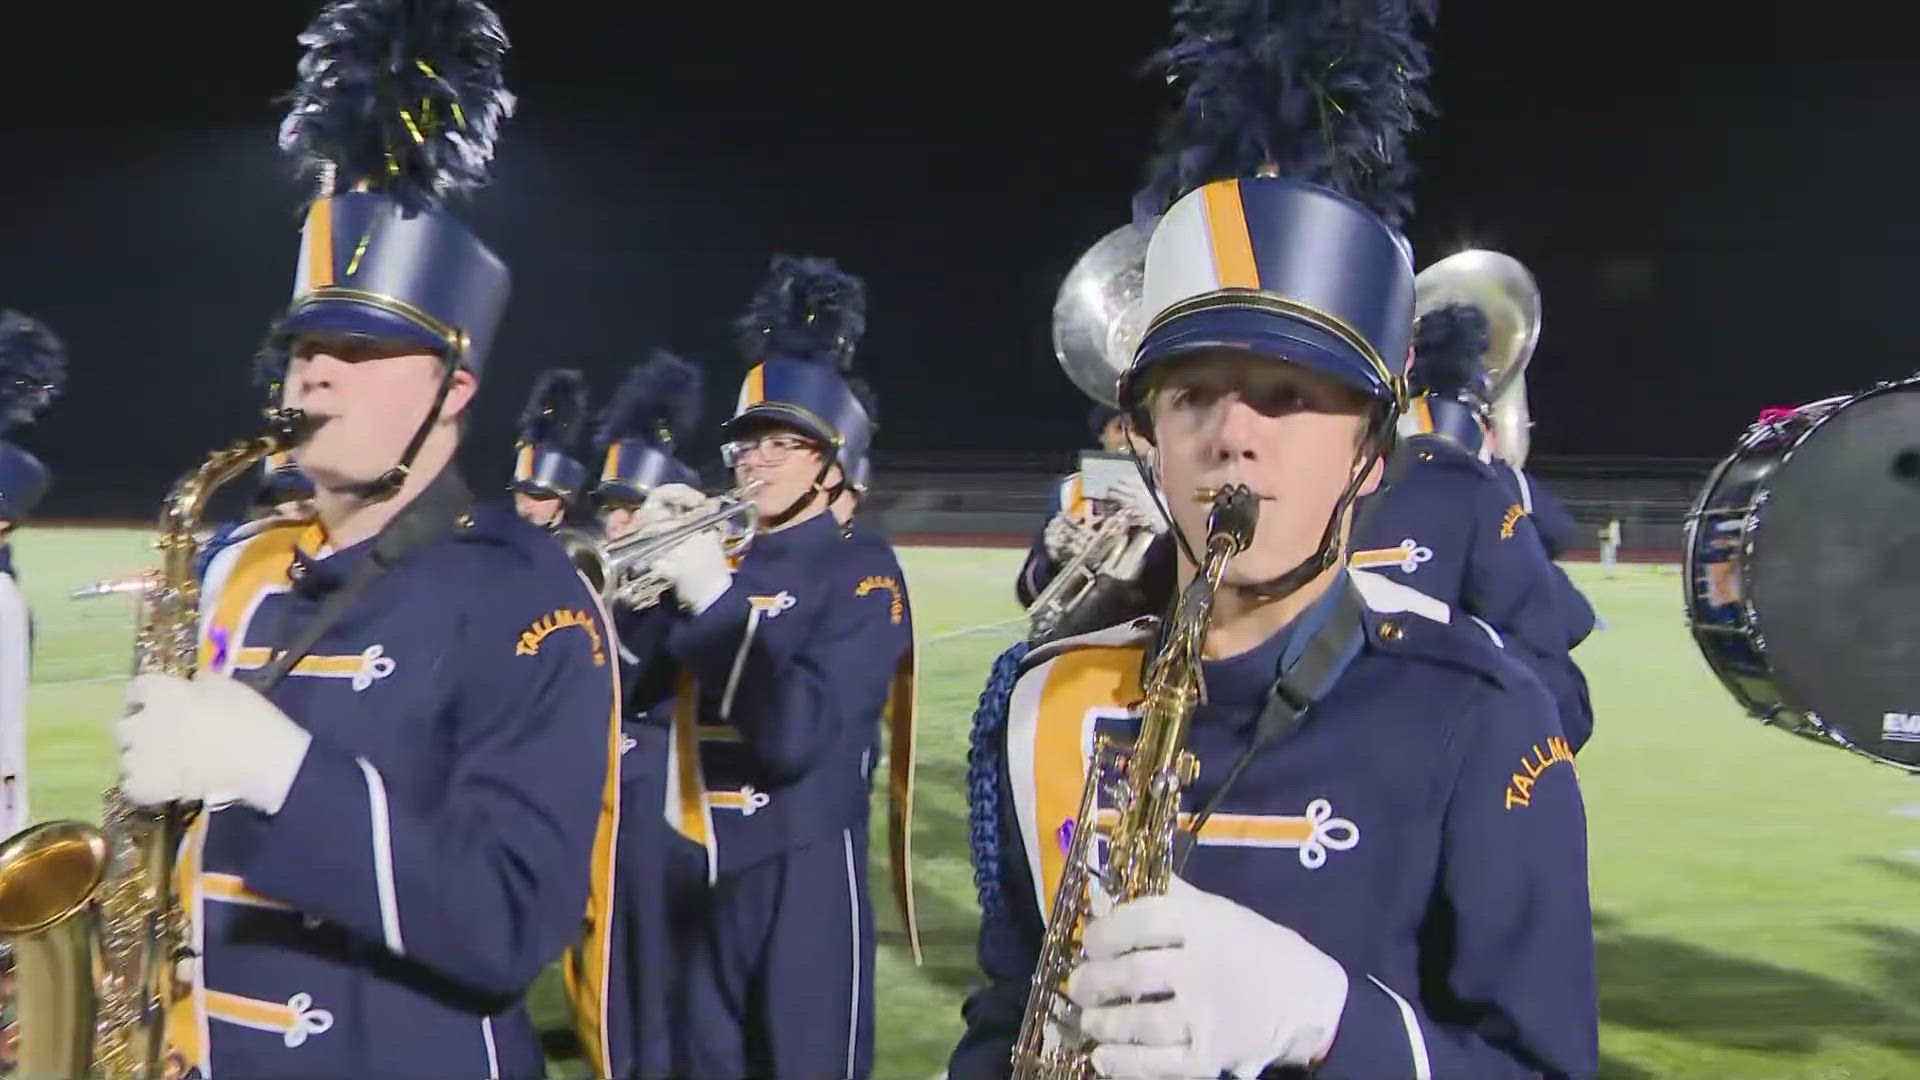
[
  {"x": 432, "y": 515},
  {"x": 1310, "y": 668}
]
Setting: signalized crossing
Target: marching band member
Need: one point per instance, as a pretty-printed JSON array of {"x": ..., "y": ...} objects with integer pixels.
[
  {"x": 1506, "y": 449},
  {"x": 1390, "y": 874},
  {"x": 639, "y": 431},
  {"x": 1448, "y": 527},
  {"x": 1551, "y": 519},
  {"x": 281, "y": 490},
  {"x": 546, "y": 477},
  {"x": 847, "y": 503},
  {"x": 32, "y": 373},
  {"x": 852, "y": 489},
  {"x": 790, "y": 660},
  {"x": 404, "y": 729},
  {"x": 284, "y": 490},
  {"x": 638, "y": 434},
  {"x": 1610, "y": 545},
  {"x": 1072, "y": 517},
  {"x": 33, "y": 370}
]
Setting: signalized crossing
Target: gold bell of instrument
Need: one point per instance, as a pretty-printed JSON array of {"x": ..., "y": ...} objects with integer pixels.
[{"x": 89, "y": 912}]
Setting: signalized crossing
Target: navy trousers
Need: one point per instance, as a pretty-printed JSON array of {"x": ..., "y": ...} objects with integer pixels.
[
  {"x": 779, "y": 969},
  {"x": 646, "y": 964}
]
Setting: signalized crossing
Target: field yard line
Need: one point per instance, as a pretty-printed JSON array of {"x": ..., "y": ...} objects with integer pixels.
[{"x": 980, "y": 629}]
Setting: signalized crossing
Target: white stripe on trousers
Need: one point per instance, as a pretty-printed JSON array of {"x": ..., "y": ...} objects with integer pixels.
[{"x": 853, "y": 908}]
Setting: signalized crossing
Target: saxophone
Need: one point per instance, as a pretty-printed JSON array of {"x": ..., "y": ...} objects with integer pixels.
[
  {"x": 91, "y": 913},
  {"x": 1149, "y": 776}
]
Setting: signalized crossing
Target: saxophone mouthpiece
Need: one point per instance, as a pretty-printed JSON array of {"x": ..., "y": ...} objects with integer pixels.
[
  {"x": 291, "y": 427},
  {"x": 1236, "y": 510}
]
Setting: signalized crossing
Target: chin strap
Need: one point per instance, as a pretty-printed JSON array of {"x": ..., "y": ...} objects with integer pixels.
[
  {"x": 1332, "y": 546},
  {"x": 391, "y": 481},
  {"x": 813, "y": 492},
  {"x": 1332, "y": 543}
]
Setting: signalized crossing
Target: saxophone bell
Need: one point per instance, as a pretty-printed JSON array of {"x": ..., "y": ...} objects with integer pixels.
[{"x": 91, "y": 914}]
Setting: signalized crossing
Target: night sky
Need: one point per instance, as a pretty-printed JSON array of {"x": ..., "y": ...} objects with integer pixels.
[{"x": 1718, "y": 209}]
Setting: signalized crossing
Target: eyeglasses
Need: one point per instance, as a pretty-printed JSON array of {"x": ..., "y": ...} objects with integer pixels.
[{"x": 773, "y": 449}]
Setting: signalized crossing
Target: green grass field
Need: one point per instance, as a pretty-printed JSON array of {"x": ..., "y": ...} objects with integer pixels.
[{"x": 1757, "y": 899}]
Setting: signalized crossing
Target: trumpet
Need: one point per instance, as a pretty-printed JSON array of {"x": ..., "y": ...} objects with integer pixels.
[
  {"x": 1113, "y": 557},
  {"x": 621, "y": 571}
]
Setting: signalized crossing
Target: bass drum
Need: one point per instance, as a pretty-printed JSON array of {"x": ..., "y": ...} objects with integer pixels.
[{"x": 1803, "y": 572}]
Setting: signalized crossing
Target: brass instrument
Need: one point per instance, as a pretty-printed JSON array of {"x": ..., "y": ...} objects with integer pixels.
[
  {"x": 1501, "y": 287},
  {"x": 90, "y": 912},
  {"x": 1151, "y": 774},
  {"x": 1098, "y": 319},
  {"x": 1116, "y": 551},
  {"x": 1512, "y": 425},
  {"x": 621, "y": 571},
  {"x": 1098, "y": 316}
]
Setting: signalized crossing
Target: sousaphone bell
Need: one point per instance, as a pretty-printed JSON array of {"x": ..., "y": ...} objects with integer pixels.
[
  {"x": 1098, "y": 315},
  {"x": 1501, "y": 287}
]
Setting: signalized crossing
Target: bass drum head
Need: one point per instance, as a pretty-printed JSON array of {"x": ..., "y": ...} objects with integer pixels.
[{"x": 1835, "y": 574}]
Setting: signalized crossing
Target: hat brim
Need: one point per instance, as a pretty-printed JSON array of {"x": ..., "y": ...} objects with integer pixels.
[
  {"x": 322, "y": 317},
  {"x": 786, "y": 416},
  {"x": 1268, "y": 334}
]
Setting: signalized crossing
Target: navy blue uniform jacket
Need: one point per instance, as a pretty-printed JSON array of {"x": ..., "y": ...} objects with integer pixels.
[
  {"x": 1551, "y": 518},
  {"x": 449, "y": 833},
  {"x": 1422, "y": 825},
  {"x": 1450, "y": 528},
  {"x": 792, "y": 670},
  {"x": 1554, "y": 524}
]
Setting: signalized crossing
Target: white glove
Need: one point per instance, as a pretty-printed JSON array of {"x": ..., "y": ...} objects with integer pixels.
[
  {"x": 1132, "y": 495},
  {"x": 1066, "y": 536},
  {"x": 209, "y": 739},
  {"x": 1245, "y": 993},
  {"x": 697, "y": 569},
  {"x": 668, "y": 501}
]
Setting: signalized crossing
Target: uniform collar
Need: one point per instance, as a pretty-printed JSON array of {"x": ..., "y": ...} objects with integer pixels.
[
  {"x": 814, "y": 532},
  {"x": 317, "y": 569},
  {"x": 1244, "y": 681},
  {"x": 445, "y": 501}
]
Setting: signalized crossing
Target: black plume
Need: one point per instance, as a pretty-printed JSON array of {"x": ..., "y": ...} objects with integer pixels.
[
  {"x": 1449, "y": 343},
  {"x": 806, "y": 309},
  {"x": 659, "y": 401},
  {"x": 1324, "y": 91},
  {"x": 33, "y": 368},
  {"x": 556, "y": 410},
  {"x": 404, "y": 95}
]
